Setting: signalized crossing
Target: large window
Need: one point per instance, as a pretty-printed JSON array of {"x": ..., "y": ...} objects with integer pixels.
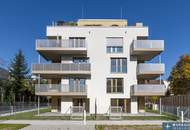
[
  {"x": 114, "y": 45},
  {"x": 119, "y": 103},
  {"x": 77, "y": 84},
  {"x": 77, "y": 42},
  {"x": 119, "y": 65},
  {"x": 114, "y": 85}
]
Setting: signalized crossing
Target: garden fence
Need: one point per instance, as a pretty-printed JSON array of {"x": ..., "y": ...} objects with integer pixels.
[{"x": 175, "y": 104}]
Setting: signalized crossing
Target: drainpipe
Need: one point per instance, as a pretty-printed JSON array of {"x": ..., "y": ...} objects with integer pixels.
[
  {"x": 160, "y": 60},
  {"x": 39, "y": 60}
]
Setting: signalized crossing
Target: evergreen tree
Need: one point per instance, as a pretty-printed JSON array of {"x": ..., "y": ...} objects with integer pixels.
[
  {"x": 180, "y": 76},
  {"x": 18, "y": 77}
]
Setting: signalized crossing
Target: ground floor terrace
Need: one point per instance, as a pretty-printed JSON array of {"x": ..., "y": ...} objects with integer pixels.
[{"x": 77, "y": 104}]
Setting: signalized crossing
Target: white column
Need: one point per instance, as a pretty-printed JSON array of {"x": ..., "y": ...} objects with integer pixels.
[
  {"x": 66, "y": 103},
  {"x": 92, "y": 105},
  {"x": 134, "y": 105},
  {"x": 38, "y": 105},
  {"x": 160, "y": 105},
  {"x": 182, "y": 117}
]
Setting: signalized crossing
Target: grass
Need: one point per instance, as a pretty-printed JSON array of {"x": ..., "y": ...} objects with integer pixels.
[
  {"x": 125, "y": 127},
  {"x": 33, "y": 116},
  {"x": 152, "y": 111},
  {"x": 24, "y": 116},
  {"x": 173, "y": 117},
  {"x": 12, "y": 126},
  {"x": 163, "y": 117}
]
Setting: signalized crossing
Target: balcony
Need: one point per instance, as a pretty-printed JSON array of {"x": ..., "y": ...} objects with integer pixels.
[
  {"x": 147, "y": 49},
  {"x": 58, "y": 70},
  {"x": 148, "y": 90},
  {"x": 60, "y": 90},
  {"x": 53, "y": 49},
  {"x": 150, "y": 70}
]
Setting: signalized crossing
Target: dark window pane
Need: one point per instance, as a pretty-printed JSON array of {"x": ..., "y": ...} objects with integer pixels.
[
  {"x": 113, "y": 65},
  {"x": 119, "y": 85},
  {"x": 108, "y": 49},
  {"x": 114, "y": 49},
  {"x": 124, "y": 65},
  {"x": 114, "y": 85},
  {"x": 120, "y": 49},
  {"x": 118, "y": 65}
]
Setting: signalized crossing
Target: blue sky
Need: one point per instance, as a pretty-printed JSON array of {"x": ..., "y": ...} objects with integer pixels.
[{"x": 23, "y": 21}]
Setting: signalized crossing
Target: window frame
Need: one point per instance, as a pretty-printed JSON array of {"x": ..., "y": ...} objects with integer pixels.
[
  {"x": 118, "y": 67},
  {"x": 113, "y": 85},
  {"x": 114, "y": 48}
]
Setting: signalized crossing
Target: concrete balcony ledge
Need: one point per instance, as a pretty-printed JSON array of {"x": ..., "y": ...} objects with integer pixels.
[
  {"x": 147, "y": 49},
  {"x": 148, "y": 90},
  {"x": 63, "y": 43},
  {"x": 59, "y": 69},
  {"x": 150, "y": 70},
  {"x": 60, "y": 89},
  {"x": 148, "y": 45},
  {"x": 52, "y": 49}
]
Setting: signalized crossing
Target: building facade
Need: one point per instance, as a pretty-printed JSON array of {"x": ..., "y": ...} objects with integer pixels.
[{"x": 97, "y": 64}]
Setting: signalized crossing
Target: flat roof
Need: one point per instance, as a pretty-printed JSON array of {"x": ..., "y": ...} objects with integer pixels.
[{"x": 102, "y": 22}]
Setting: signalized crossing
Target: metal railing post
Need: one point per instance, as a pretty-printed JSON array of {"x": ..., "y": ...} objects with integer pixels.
[
  {"x": 178, "y": 111},
  {"x": 182, "y": 117},
  {"x": 84, "y": 121},
  {"x": 38, "y": 105},
  {"x": 12, "y": 110}
]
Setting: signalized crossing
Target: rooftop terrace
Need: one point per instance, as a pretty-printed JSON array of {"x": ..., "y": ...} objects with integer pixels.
[{"x": 96, "y": 22}]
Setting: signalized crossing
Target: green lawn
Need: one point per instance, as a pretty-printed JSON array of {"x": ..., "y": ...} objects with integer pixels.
[
  {"x": 33, "y": 116},
  {"x": 163, "y": 117},
  {"x": 12, "y": 126},
  {"x": 24, "y": 116},
  {"x": 125, "y": 127},
  {"x": 152, "y": 111}
]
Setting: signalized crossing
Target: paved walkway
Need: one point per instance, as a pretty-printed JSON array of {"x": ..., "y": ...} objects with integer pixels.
[
  {"x": 60, "y": 127},
  {"x": 75, "y": 125},
  {"x": 69, "y": 122}
]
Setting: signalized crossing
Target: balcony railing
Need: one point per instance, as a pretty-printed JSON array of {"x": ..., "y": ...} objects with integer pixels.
[
  {"x": 150, "y": 68},
  {"x": 148, "y": 45},
  {"x": 61, "y": 67},
  {"x": 59, "y": 89},
  {"x": 148, "y": 90},
  {"x": 64, "y": 43}
]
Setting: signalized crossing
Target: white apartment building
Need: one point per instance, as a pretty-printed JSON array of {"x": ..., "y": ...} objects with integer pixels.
[{"x": 99, "y": 64}]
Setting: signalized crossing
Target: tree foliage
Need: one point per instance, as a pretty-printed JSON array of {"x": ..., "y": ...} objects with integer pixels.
[
  {"x": 19, "y": 83},
  {"x": 180, "y": 76}
]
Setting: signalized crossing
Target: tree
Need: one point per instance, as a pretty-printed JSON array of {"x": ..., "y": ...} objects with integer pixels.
[
  {"x": 180, "y": 76},
  {"x": 154, "y": 100},
  {"x": 18, "y": 83}
]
